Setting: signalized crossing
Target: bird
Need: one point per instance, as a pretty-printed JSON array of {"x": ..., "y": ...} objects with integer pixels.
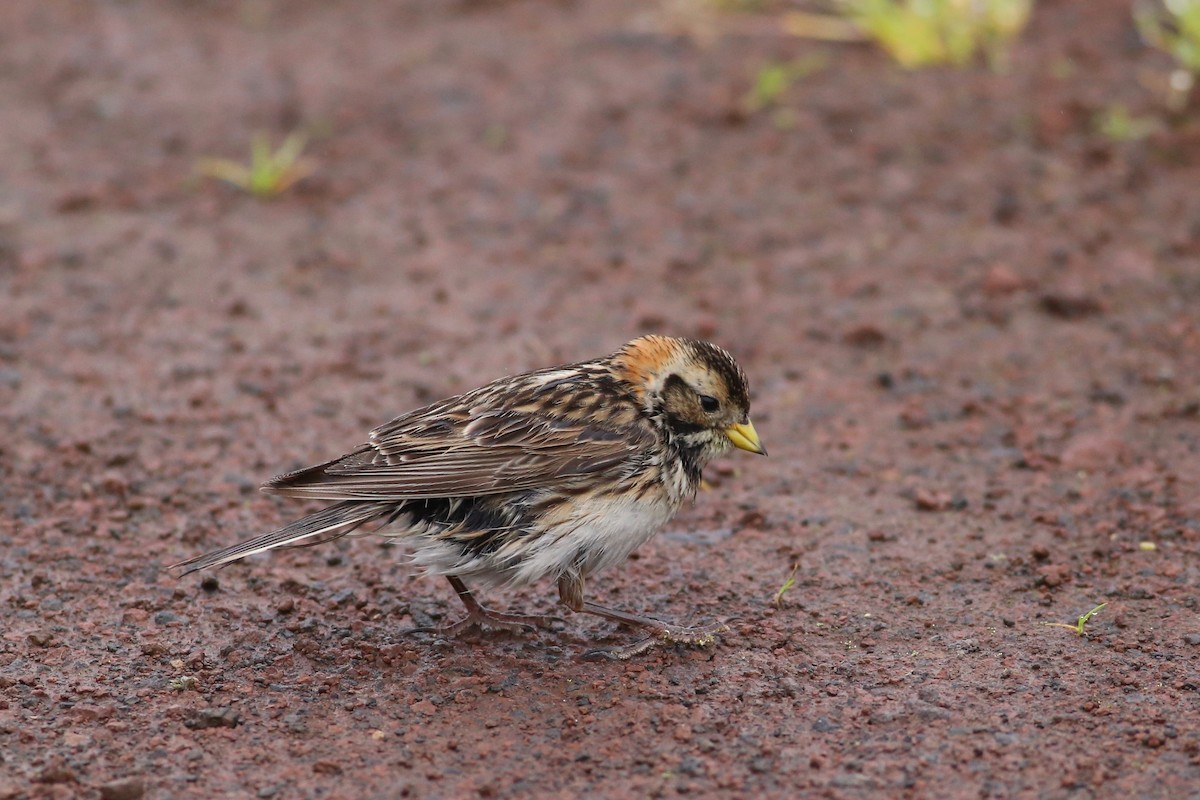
[{"x": 557, "y": 473}]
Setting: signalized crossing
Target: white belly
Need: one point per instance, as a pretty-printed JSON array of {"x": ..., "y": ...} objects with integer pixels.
[{"x": 597, "y": 536}]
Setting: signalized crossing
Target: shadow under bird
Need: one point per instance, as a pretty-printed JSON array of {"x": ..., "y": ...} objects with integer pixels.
[{"x": 557, "y": 473}]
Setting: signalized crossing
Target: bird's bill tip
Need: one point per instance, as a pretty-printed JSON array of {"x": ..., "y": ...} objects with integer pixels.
[{"x": 744, "y": 437}]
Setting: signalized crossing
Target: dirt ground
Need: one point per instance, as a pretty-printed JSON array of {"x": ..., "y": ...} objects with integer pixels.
[{"x": 971, "y": 323}]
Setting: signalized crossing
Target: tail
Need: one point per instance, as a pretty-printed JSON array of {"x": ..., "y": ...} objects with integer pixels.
[{"x": 328, "y": 524}]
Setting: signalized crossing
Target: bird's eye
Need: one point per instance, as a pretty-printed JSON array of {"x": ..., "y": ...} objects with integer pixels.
[{"x": 709, "y": 403}]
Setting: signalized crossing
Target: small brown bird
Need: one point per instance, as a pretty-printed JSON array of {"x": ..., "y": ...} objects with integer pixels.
[{"x": 556, "y": 473}]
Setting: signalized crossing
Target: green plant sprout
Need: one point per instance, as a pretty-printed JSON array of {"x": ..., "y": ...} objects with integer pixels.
[
  {"x": 920, "y": 33},
  {"x": 1079, "y": 623},
  {"x": 269, "y": 173},
  {"x": 787, "y": 585},
  {"x": 776, "y": 77},
  {"x": 1173, "y": 26},
  {"x": 1115, "y": 123}
]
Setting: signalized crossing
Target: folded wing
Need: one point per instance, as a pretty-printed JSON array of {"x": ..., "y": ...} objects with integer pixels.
[{"x": 463, "y": 453}]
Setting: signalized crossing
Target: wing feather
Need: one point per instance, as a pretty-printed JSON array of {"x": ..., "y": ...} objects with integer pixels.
[{"x": 465, "y": 452}]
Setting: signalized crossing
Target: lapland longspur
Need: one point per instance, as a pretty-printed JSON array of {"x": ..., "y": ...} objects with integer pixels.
[{"x": 556, "y": 473}]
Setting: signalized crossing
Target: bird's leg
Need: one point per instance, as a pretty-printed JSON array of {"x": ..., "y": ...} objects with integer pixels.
[
  {"x": 481, "y": 617},
  {"x": 676, "y": 634},
  {"x": 570, "y": 594}
]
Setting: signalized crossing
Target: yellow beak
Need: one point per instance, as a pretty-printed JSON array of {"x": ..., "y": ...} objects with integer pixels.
[{"x": 744, "y": 437}]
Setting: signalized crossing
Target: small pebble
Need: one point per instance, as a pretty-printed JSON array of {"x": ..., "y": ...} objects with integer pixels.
[{"x": 122, "y": 789}]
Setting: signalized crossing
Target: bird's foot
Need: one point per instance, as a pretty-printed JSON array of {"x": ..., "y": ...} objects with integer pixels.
[
  {"x": 623, "y": 653},
  {"x": 663, "y": 633},
  {"x": 700, "y": 635},
  {"x": 484, "y": 619}
]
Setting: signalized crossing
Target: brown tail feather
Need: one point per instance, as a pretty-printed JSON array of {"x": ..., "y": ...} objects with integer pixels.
[{"x": 334, "y": 522}]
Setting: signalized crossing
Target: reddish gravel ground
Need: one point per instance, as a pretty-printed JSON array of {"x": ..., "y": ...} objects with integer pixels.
[{"x": 971, "y": 322}]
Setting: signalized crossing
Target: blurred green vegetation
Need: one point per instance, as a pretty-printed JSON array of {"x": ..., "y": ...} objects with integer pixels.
[
  {"x": 1173, "y": 26},
  {"x": 920, "y": 33},
  {"x": 1116, "y": 124},
  {"x": 776, "y": 77},
  {"x": 269, "y": 173}
]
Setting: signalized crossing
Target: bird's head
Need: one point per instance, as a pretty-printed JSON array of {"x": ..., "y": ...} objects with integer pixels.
[{"x": 695, "y": 389}]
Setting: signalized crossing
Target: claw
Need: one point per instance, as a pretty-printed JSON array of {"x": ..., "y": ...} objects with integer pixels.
[
  {"x": 700, "y": 636},
  {"x": 663, "y": 634},
  {"x": 621, "y": 653}
]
